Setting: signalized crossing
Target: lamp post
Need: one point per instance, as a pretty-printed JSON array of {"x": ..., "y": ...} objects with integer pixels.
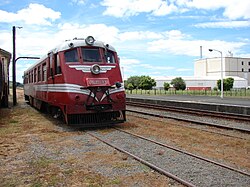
[{"x": 221, "y": 71}]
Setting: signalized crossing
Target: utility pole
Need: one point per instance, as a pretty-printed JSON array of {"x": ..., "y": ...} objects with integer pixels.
[{"x": 14, "y": 65}]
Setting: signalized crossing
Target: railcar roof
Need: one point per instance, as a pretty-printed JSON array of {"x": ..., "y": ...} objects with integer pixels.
[{"x": 68, "y": 45}]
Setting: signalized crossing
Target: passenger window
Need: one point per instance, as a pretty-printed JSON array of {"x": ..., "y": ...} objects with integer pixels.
[
  {"x": 91, "y": 55},
  {"x": 110, "y": 57},
  {"x": 57, "y": 65},
  {"x": 71, "y": 56},
  {"x": 44, "y": 74}
]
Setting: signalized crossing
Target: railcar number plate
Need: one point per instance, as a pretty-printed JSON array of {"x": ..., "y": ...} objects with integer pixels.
[{"x": 98, "y": 82}]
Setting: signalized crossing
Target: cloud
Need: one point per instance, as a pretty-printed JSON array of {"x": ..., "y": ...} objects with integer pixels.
[
  {"x": 127, "y": 8},
  {"x": 107, "y": 34},
  {"x": 224, "y": 24},
  {"x": 179, "y": 45},
  {"x": 34, "y": 14},
  {"x": 237, "y": 9},
  {"x": 139, "y": 35},
  {"x": 233, "y": 9},
  {"x": 78, "y": 2}
]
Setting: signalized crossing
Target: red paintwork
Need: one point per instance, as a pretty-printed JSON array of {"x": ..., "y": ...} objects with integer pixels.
[
  {"x": 70, "y": 90},
  {"x": 198, "y": 88}
]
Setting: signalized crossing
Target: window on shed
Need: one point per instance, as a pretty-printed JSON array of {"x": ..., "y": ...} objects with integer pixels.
[
  {"x": 32, "y": 76},
  {"x": 242, "y": 63},
  {"x": 29, "y": 77},
  {"x": 91, "y": 55},
  {"x": 242, "y": 69},
  {"x": 26, "y": 78},
  {"x": 71, "y": 56},
  {"x": 1, "y": 76}
]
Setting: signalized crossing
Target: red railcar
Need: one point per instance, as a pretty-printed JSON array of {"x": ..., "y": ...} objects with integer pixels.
[{"x": 79, "y": 80}]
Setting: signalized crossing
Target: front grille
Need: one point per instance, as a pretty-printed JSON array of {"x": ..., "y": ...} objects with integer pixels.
[
  {"x": 99, "y": 107},
  {"x": 95, "y": 118}
]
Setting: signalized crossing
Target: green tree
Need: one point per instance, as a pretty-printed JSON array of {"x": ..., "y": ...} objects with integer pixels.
[
  {"x": 134, "y": 80},
  {"x": 166, "y": 86},
  {"x": 146, "y": 83},
  {"x": 227, "y": 84},
  {"x": 130, "y": 86},
  {"x": 178, "y": 83}
]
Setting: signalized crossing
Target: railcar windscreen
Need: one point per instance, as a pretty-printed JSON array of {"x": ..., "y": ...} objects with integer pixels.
[
  {"x": 91, "y": 55},
  {"x": 71, "y": 56},
  {"x": 110, "y": 57}
]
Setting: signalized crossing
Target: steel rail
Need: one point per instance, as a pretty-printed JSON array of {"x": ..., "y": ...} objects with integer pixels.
[
  {"x": 156, "y": 168},
  {"x": 192, "y": 111},
  {"x": 192, "y": 121},
  {"x": 209, "y": 131},
  {"x": 185, "y": 152}
]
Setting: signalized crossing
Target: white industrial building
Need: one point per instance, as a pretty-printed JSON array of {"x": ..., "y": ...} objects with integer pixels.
[
  {"x": 208, "y": 71},
  {"x": 201, "y": 82}
]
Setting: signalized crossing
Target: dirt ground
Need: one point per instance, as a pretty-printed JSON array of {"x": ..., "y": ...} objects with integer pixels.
[{"x": 37, "y": 150}]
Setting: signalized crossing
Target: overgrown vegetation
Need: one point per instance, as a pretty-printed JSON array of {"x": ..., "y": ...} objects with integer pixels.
[
  {"x": 178, "y": 83},
  {"x": 227, "y": 84},
  {"x": 140, "y": 82}
]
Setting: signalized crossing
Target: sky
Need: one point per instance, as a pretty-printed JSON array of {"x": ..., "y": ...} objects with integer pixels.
[{"x": 152, "y": 37}]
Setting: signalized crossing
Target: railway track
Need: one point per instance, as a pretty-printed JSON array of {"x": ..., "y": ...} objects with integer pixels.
[
  {"x": 199, "y": 112},
  {"x": 242, "y": 127},
  {"x": 182, "y": 166}
]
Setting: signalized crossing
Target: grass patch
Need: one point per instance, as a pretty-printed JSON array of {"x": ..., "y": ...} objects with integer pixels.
[
  {"x": 41, "y": 163},
  {"x": 122, "y": 165},
  {"x": 13, "y": 121},
  {"x": 114, "y": 181}
]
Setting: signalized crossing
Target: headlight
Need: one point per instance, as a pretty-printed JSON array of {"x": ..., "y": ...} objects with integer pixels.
[
  {"x": 118, "y": 84},
  {"x": 90, "y": 40},
  {"x": 95, "y": 69}
]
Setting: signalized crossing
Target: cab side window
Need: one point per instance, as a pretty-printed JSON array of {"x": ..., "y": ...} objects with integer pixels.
[
  {"x": 110, "y": 57},
  {"x": 71, "y": 56}
]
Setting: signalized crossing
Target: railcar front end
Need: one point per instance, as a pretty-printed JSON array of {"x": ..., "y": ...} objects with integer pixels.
[{"x": 79, "y": 80}]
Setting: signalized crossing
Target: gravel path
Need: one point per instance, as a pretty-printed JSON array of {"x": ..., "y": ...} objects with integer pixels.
[{"x": 196, "y": 171}]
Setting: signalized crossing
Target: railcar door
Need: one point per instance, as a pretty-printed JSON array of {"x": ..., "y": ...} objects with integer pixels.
[{"x": 55, "y": 78}]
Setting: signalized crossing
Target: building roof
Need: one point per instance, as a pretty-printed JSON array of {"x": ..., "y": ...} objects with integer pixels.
[{"x": 5, "y": 53}]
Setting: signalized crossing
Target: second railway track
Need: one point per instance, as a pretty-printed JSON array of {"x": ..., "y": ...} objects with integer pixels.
[
  {"x": 201, "y": 112},
  {"x": 162, "y": 112},
  {"x": 186, "y": 168}
]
